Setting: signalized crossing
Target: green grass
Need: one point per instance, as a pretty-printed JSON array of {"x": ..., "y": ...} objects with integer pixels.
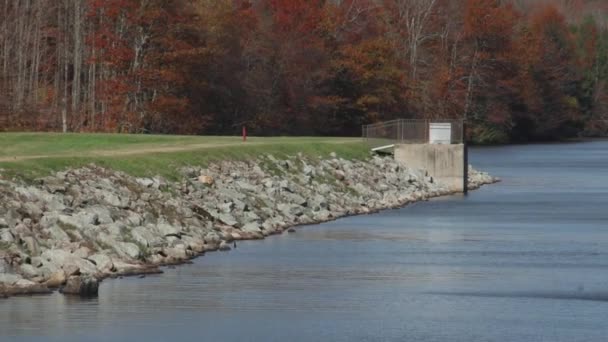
[{"x": 31, "y": 155}]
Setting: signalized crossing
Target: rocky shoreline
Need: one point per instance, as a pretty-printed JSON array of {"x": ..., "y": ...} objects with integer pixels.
[{"x": 75, "y": 228}]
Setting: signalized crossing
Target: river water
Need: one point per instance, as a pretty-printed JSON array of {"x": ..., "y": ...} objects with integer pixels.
[{"x": 522, "y": 260}]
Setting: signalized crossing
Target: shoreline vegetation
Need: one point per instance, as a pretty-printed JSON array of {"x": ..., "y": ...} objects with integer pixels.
[{"x": 75, "y": 226}]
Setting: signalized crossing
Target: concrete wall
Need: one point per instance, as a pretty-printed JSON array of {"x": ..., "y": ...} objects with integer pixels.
[{"x": 445, "y": 163}]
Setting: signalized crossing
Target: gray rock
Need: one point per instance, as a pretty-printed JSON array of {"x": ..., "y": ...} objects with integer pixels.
[
  {"x": 128, "y": 250},
  {"x": 84, "y": 286},
  {"x": 166, "y": 229},
  {"x": 6, "y": 236},
  {"x": 212, "y": 237},
  {"x": 177, "y": 253},
  {"x": 322, "y": 215},
  {"x": 82, "y": 252},
  {"x": 133, "y": 219},
  {"x": 58, "y": 234},
  {"x": 103, "y": 263},
  {"x": 252, "y": 228},
  {"x": 284, "y": 186},
  {"x": 145, "y": 182},
  {"x": 246, "y": 186},
  {"x": 32, "y": 245},
  {"x": 290, "y": 209},
  {"x": 249, "y": 217},
  {"x": 110, "y": 199},
  {"x": 308, "y": 170},
  {"x": 98, "y": 215},
  {"x": 226, "y": 207},
  {"x": 9, "y": 279},
  {"x": 56, "y": 256},
  {"x": 296, "y": 199},
  {"x": 228, "y": 219},
  {"x": 28, "y": 271},
  {"x": 25, "y": 283},
  {"x": 145, "y": 237},
  {"x": 318, "y": 202},
  {"x": 32, "y": 210},
  {"x": 37, "y": 261},
  {"x": 54, "y": 185}
]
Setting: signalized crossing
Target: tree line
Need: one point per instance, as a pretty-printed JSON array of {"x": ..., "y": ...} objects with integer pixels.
[{"x": 516, "y": 70}]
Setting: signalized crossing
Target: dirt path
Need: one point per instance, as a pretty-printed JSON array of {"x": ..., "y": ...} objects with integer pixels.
[{"x": 149, "y": 150}]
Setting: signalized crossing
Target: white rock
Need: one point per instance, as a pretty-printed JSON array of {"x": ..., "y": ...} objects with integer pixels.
[
  {"x": 251, "y": 228},
  {"x": 128, "y": 249},
  {"x": 103, "y": 262},
  {"x": 6, "y": 236},
  {"x": 9, "y": 278},
  {"x": 24, "y": 283},
  {"x": 228, "y": 219},
  {"x": 28, "y": 271},
  {"x": 166, "y": 229},
  {"x": 145, "y": 182}
]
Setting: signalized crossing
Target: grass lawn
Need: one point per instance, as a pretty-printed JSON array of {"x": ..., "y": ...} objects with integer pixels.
[{"x": 30, "y": 155}]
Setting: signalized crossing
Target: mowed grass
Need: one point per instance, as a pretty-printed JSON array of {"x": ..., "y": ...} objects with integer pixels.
[{"x": 31, "y": 155}]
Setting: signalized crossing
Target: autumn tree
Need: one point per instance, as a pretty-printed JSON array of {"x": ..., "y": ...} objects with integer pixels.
[{"x": 549, "y": 78}]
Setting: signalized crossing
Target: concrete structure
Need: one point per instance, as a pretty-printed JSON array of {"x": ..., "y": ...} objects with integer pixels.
[{"x": 447, "y": 164}]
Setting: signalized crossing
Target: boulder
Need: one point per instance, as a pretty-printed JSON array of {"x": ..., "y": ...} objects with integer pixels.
[
  {"x": 296, "y": 199},
  {"x": 128, "y": 250},
  {"x": 24, "y": 283},
  {"x": 176, "y": 253},
  {"x": 290, "y": 209},
  {"x": 99, "y": 215},
  {"x": 322, "y": 215},
  {"x": 84, "y": 286},
  {"x": 32, "y": 245},
  {"x": 207, "y": 180},
  {"x": 133, "y": 219},
  {"x": 318, "y": 203},
  {"x": 308, "y": 170},
  {"x": 58, "y": 234},
  {"x": 70, "y": 263},
  {"x": 251, "y": 228},
  {"x": 212, "y": 238},
  {"x": 227, "y": 219},
  {"x": 55, "y": 256},
  {"x": 226, "y": 207},
  {"x": 9, "y": 278},
  {"x": 103, "y": 263},
  {"x": 56, "y": 279},
  {"x": 82, "y": 252},
  {"x": 145, "y": 182},
  {"x": 28, "y": 271},
  {"x": 32, "y": 210},
  {"x": 6, "y": 236},
  {"x": 166, "y": 229}
]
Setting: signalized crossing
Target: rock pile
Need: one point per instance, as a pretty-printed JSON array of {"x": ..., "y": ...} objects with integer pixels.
[{"x": 92, "y": 223}]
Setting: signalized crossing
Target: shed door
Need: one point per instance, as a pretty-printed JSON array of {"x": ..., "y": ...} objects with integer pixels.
[{"x": 440, "y": 133}]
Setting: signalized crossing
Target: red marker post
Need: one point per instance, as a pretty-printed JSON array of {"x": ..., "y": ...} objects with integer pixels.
[{"x": 244, "y": 134}]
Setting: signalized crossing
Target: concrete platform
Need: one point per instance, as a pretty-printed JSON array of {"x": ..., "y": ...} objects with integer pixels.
[{"x": 447, "y": 164}]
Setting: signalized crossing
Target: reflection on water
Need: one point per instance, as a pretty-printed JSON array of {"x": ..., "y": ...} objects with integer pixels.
[{"x": 524, "y": 260}]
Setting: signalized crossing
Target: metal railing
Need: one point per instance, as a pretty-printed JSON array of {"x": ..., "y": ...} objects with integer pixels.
[{"x": 410, "y": 131}]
